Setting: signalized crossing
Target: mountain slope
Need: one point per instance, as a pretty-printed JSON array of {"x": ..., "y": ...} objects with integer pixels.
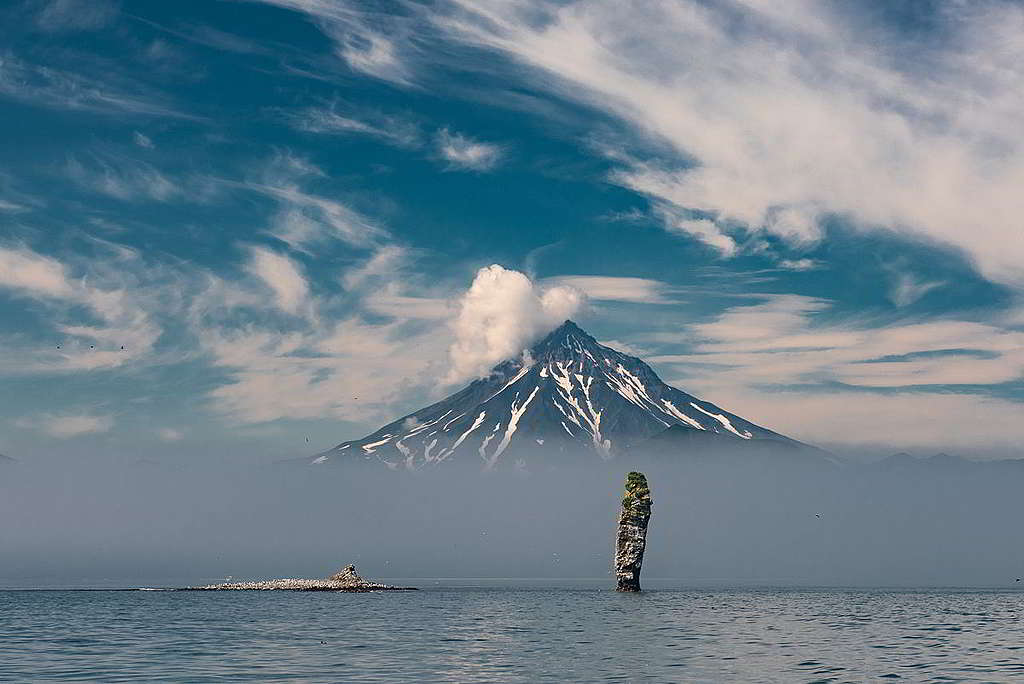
[{"x": 567, "y": 394}]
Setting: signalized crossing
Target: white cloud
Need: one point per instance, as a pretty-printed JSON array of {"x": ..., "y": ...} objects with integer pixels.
[
  {"x": 68, "y": 426},
  {"x": 11, "y": 206},
  {"x": 905, "y": 287},
  {"x": 780, "y": 342},
  {"x": 170, "y": 434},
  {"x": 501, "y": 313},
  {"x": 328, "y": 362},
  {"x": 110, "y": 290},
  {"x": 938, "y": 421},
  {"x": 59, "y": 16},
  {"x": 123, "y": 179},
  {"x": 24, "y": 269},
  {"x": 282, "y": 276},
  {"x": 462, "y": 152},
  {"x": 305, "y": 218},
  {"x": 799, "y": 264},
  {"x": 792, "y": 113},
  {"x": 65, "y": 90},
  {"x": 707, "y": 232},
  {"x": 403, "y": 307},
  {"x": 626, "y": 348},
  {"x": 221, "y": 40},
  {"x": 386, "y": 286},
  {"x": 785, "y": 364},
  {"x": 327, "y": 120},
  {"x": 346, "y": 369},
  {"x": 368, "y": 41},
  {"x": 616, "y": 289},
  {"x": 385, "y": 263}
]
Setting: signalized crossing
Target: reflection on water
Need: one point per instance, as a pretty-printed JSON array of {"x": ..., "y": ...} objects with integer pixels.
[{"x": 489, "y": 633}]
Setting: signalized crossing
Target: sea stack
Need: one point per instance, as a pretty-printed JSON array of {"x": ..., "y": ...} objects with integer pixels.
[{"x": 632, "y": 537}]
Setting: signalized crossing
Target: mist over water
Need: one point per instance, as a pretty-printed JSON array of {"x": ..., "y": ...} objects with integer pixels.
[{"x": 79, "y": 523}]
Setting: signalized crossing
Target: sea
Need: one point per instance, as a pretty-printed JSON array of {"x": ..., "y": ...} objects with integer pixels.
[{"x": 514, "y": 631}]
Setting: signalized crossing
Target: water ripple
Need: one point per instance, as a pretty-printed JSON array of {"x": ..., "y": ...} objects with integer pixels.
[{"x": 512, "y": 635}]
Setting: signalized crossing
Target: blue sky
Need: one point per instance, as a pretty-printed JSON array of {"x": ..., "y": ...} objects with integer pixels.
[{"x": 807, "y": 212}]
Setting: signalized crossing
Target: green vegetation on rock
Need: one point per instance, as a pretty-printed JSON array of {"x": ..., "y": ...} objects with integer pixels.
[{"x": 637, "y": 499}]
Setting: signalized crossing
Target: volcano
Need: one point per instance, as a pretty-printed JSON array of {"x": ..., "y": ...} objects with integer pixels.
[{"x": 567, "y": 395}]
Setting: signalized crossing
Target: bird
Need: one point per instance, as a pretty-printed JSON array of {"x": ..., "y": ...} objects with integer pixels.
[
  {"x": 307, "y": 440},
  {"x": 122, "y": 347},
  {"x": 1018, "y": 579},
  {"x": 817, "y": 515},
  {"x": 92, "y": 346}
]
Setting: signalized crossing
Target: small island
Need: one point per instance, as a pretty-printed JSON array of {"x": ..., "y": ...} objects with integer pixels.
[{"x": 345, "y": 580}]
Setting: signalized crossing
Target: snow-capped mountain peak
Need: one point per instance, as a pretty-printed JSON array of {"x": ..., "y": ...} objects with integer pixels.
[{"x": 566, "y": 393}]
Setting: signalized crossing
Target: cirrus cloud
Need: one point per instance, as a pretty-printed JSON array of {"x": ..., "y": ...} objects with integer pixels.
[
  {"x": 462, "y": 152},
  {"x": 772, "y": 116},
  {"x": 68, "y": 426}
]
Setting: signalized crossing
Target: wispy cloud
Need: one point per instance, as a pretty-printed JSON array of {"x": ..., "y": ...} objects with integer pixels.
[
  {"x": 11, "y": 206},
  {"x": 350, "y": 348},
  {"x": 61, "y": 16},
  {"x": 388, "y": 302},
  {"x": 788, "y": 363},
  {"x": 119, "y": 328},
  {"x": 32, "y": 273},
  {"x": 304, "y": 217},
  {"x": 282, "y": 276},
  {"x": 326, "y": 362},
  {"x": 221, "y": 40},
  {"x": 369, "y": 42},
  {"x": 123, "y": 178},
  {"x": 65, "y": 90},
  {"x": 341, "y": 354},
  {"x": 348, "y": 369},
  {"x": 616, "y": 289},
  {"x": 462, "y": 152},
  {"x": 781, "y": 342},
  {"x": 170, "y": 434},
  {"x": 142, "y": 140},
  {"x": 329, "y": 121},
  {"x": 383, "y": 264},
  {"x": 68, "y": 426},
  {"x": 702, "y": 229},
  {"x": 793, "y": 113},
  {"x": 383, "y": 282},
  {"x": 937, "y": 421},
  {"x": 799, "y": 264},
  {"x": 905, "y": 287}
]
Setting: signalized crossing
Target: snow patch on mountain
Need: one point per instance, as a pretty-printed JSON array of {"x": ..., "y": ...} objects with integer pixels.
[{"x": 566, "y": 392}]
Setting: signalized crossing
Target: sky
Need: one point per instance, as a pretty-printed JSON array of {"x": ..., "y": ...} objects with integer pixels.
[{"x": 229, "y": 227}]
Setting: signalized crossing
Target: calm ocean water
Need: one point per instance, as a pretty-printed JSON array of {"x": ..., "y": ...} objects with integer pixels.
[{"x": 501, "y": 634}]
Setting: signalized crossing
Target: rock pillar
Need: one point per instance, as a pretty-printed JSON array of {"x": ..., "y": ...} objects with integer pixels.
[{"x": 632, "y": 536}]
